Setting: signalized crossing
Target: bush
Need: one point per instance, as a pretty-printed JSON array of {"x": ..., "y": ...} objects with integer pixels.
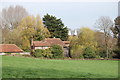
[
  {"x": 57, "y": 51},
  {"x": 77, "y": 51},
  {"x": 89, "y": 53},
  {"x": 38, "y": 53},
  {"x": 47, "y": 53},
  {"x": 43, "y": 53}
]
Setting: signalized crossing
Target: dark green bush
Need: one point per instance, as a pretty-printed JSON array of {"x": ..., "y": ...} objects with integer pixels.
[
  {"x": 38, "y": 53},
  {"x": 89, "y": 53},
  {"x": 102, "y": 54},
  {"x": 57, "y": 51}
]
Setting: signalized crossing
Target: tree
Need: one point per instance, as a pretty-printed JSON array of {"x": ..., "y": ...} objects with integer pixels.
[
  {"x": 55, "y": 27},
  {"x": 116, "y": 31},
  {"x": 104, "y": 24},
  {"x": 85, "y": 39},
  {"x": 32, "y": 28},
  {"x": 11, "y": 17},
  {"x": 99, "y": 36},
  {"x": 9, "y": 20}
]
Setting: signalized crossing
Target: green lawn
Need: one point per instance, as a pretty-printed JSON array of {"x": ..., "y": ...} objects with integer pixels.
[{"x": 21, "y": 67}]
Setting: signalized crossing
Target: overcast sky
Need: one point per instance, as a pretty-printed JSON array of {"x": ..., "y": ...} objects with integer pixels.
[{"x": 73, "y": 14}]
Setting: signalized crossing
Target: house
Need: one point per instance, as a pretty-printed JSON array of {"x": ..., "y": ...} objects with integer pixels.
[
  {"x": 48, "y": 42},
  {"x": 9, "y": 48}
]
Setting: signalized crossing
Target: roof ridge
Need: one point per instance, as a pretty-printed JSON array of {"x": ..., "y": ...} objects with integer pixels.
[{"x": 7, "y": 44}]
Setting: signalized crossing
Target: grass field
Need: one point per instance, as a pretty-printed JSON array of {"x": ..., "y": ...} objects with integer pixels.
[{"x": 21, "y": 67}]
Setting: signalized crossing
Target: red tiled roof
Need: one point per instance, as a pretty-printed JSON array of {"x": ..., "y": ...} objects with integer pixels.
[
  {"x": 48, "y": 42},
  {"x": 54, "y": 41},
  {"x": 40, "y": 43},
  {"x": 10, "y": 48}
]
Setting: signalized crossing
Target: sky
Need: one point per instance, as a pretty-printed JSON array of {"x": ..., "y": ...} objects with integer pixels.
[{"x": 73, "y": 14}]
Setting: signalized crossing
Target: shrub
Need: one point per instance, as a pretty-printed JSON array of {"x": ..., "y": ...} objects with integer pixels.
[
  {"x": 57, "y": 51},
  {"x": 47, "y": 53},
  {"x": 89, "y": 53},
  {"x": 38, "y": 53},
  {"x": 43, "y": 53},
  {"x": 77, "y": 51},
  {"x": 102, "y": 52}
]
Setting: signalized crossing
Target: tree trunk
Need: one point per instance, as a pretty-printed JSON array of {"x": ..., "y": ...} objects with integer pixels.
[
  {"x": 31, "y": 46},
  {"x": 107, "y": 52},
  {"x": 106, "y": 44}
]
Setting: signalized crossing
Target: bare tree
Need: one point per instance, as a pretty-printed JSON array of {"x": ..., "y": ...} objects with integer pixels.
[
  {"x": 104, "y": 24},
  {"x": 10, "y": 17},
  {"x": 9, "y": 20}
]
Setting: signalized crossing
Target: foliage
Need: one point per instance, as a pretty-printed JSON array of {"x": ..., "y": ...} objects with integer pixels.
[
  {"x": 78, "y": 44},
  {"x": 117, "y": 23},
  {"x": 116, "y": 32},
  {"x": 87, "y": 37},
  {"x": 55, "y": 27},
  {"x": 99, "y": 37},
  {"x": 10, "y": 17},
  {"x": 9, "y": 21},
  {"x": 43, "y": 53},
  {"x": 38, "y": 53},
  {"x": 89, "y": 53},
  {"x": 77, "y": 51},
  {"x": 103, "y": 24},
  {"x": 57, "y": 51},
  {"x": 102, "y": 52},
  {"x": 47, "y": 53},
  {"x": 32, "y": 28}
]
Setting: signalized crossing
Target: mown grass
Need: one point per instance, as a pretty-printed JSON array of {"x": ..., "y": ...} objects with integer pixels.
[{"x": 22, "y": 67}]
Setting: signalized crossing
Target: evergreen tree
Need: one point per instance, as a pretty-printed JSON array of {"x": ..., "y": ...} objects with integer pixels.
[
  {"x": 116, "y": 31},
  {"x": 55, "y": 27}
]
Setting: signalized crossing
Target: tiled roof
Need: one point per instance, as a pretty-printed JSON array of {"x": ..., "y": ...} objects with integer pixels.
[
  {"x": 41, "y": 43},
  {"x": 10, "y": 48},
  {"x": 49, "y": 42},
  {"x": 54, "y": 41}
]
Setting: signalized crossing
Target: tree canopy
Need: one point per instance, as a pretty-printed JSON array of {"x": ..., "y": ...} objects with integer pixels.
[
  {"x": 55, "y": 27},
  {"x": 32, "y": 28}
]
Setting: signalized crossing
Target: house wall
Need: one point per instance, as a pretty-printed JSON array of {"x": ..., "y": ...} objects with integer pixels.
[
  {"x": 12, "y": 53},
  {"x": 25, "y": 53},
  {"x": 66, "y": 51},
  {"x": 42, "y": 47},
  {"x": 2, "y": 53}
]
